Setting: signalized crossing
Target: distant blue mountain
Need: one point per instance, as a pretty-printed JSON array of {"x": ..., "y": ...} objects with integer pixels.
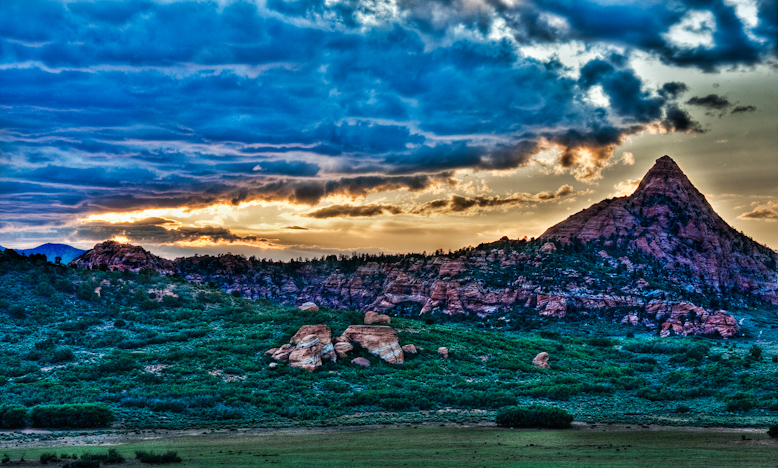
[{"x": 52, "y": 251}]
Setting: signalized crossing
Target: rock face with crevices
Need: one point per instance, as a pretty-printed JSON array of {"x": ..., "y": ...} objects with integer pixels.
[{"x": 377, "y": 340}]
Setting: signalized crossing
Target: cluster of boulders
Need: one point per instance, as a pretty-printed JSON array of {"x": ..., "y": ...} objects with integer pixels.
[{"x": 313, "y": 344}]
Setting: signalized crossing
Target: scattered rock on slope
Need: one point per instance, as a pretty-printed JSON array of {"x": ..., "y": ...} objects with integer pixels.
[
  {"x": 541, "y": 361},
  {"x": 374, "y": 318},
  {"x": 377, "y": 340}
]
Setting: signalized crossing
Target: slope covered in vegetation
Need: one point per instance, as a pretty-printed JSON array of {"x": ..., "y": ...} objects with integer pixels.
[{"x": 162, "y": 352}]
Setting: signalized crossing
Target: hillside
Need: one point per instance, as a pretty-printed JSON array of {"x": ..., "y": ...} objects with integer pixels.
[{"x": 162, "y": 352}]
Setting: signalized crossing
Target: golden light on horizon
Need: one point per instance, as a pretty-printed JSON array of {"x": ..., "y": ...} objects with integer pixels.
[{"x": 120, "y": 239}]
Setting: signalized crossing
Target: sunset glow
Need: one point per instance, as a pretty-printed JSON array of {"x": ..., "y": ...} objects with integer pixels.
[{"x": 384, "y": 121}]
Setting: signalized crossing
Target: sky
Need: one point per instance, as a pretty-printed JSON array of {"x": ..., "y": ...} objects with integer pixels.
[{"x": 287, "y": 129}]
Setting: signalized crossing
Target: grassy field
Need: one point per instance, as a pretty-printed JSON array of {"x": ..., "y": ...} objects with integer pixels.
[{"x": 584, "y": 446}]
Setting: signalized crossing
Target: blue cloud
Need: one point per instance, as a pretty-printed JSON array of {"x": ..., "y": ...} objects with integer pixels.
[{"x": 124, "y": 105}]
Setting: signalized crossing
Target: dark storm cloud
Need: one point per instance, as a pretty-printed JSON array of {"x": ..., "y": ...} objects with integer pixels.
[
  {"x": 454, "y": 204},
  {"x": 153, "y": 231},
  {"x": 354, "y": 211},
  {"x": 678, "y": 120},
  {"x": 672, "y": 89},
  {"x": 711, "y": 101},
  {"x": 743, "y": 109},
  {"x": 131, "y": 105}
]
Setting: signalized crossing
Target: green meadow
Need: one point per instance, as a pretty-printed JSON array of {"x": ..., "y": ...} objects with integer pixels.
[{"x": 448, "y": 447}]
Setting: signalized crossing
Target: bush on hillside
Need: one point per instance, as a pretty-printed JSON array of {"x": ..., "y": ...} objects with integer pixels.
[
  {"x": 772, "y": 431},
  {"x": 158, "y": 458},
  {"x": 75, "y": 416},
  {"x": 534, "y": 416},
  {"x": 12, "y": 416}
]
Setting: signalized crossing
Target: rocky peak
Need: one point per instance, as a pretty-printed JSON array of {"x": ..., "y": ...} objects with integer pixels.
[
  {"x": 669, "y": 219},
  {"x": 117, "y": 256},
  {"x": 666, "y": 178}
]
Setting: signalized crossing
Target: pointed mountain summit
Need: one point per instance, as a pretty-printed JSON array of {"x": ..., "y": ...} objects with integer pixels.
[
  {"x": 117, "y": 256},
  {"x": 669, "y": 219}
]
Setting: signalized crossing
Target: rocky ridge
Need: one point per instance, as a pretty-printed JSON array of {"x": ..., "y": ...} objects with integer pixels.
[
  {"x": 118, "y": 256},
  {"x": 660, "y": 258}
]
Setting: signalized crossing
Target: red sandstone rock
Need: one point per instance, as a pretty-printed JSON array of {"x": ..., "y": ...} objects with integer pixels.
[
  {"x": 307, "y": 353},
  {"x": 443, "y": 351},
  {"x": 373, "y": 318},
  {"x": 309, "y": 307},
  {"x": 541, "y": 361},
  {"x": 548, "y": 247},
  {"x": 409, "y": 349},
  {"x": 666, "y": 215},
  {"x": 282, "y": 353},
  {"x": 360, "y": 361},
  {"x": 377, "y": 340},
  {"x": 552, "y": 305},
  {"x": 342, "y": 349},
  {"x": 323, "y": 333},
  {"x": 116, "y": 256}
]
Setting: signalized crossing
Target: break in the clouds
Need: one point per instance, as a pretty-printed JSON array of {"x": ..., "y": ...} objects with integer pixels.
[{"x": 123, "y": 106}]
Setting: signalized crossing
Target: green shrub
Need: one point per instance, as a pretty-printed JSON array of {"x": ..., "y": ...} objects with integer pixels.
[
  {"x": 158, "y": 458},
  {"x": 111, "y": 458},
  {"x": 12, "y": 416},
  {"x": 74, "y": 416},
  {"x": 45, "y": 289},
  {"x": 755, "y": 353},
  {"x": 534, "y": 416},
  {"x": 171, "y": 301},
  {"x": 772, "y": 431},
  {"x": 82, "y": 464},
  {"x": 48, "y": 457},
  {"x": 600, "y": 342},
  {"x": 740, "y": 402},
  {"x": 62, "y": 354}
]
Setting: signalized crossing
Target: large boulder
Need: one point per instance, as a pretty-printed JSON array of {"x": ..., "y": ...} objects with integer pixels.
[
  {"x": 409, "y": 349},
  {"x": 541, "y": 361},
  {"x": 360, "y": 361},
  {"x": 282, "y": 353},
  {"x": 309, "y": 307},
  {"x": 377, "y": 340},
  {"x": 307, "y": 353},
  {"x": 322, "y": 332},
  {"x": 343, "y": 348},
  {"x": 443, "y": 351},
  {"x": 374, "y": 318}
]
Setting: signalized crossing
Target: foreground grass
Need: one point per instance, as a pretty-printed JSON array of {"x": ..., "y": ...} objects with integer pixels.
[{"x": 458, "y": 447}]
